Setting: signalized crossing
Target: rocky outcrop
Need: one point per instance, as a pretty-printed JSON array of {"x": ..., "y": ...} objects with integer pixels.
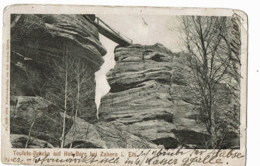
[
  {"x": 36, "y": 117},
  {"x": 21, "y": 141},
  {"x": 103, "y": 135},
  {"x": 40, "y": 42},
  {"x": 150, "y": 95},
  {"x": 39, "y": 45},
  {"x": 37, "y": 123},
  {"x": 149, "y": 104},
  {"x": 141, "y": 96},
  {"x": 83, "y": 135},
  {"x": 117, "y": 135}
]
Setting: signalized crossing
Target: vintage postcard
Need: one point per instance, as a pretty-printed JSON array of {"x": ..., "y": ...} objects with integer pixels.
[{"x": 124, "y": 86}]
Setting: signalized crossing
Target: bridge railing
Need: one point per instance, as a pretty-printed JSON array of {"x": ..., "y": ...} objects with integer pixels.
[{"x": 112, "y": 30}]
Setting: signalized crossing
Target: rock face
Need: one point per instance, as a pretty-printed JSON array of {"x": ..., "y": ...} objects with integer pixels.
[
  {"x": 148, "y": 106},
  {"x": 40, "y": 42},
  {"x": 19, "y": 141},
  {"x": 36, "y": 117},
  {"x": 141, "y": 96},
  {"x": 116, "y": 135},
  {"x": 36, "y": 123},
  {"x": 39, "y": 45}
]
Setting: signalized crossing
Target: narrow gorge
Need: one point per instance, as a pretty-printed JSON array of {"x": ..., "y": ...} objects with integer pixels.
[{"x": 53, "y": 63}]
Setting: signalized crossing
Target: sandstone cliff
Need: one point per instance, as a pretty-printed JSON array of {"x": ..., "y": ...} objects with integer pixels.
[
  {"x": 149, "y": 104},
  {"x": 38, "y": 40},
  {"x": 148, "y": 96},
  {"x": 39, "y": 46}
]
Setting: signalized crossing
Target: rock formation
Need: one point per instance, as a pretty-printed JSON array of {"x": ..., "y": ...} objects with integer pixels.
[
  {"x": 142, "y": 96},
  {"x": 38, "y": 40},
  {"x": 36, "y": 117},
  {"x": 149, "y": 104},
  {"x": 36, "y": 120}
]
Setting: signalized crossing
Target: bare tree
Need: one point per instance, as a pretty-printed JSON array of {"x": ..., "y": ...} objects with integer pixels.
[
  {"x": 210, "y": 65},
  {"x": 67, "y": 80},
  {"x": 60, "y": 89},
  {"x": 69, "y": 87},
  {"x": 83, "y": 89},
  {"x": 83, "y": 85}
]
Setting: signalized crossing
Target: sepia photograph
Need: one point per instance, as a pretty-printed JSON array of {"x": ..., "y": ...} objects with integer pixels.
[
  {"x": 107, "y": 80},
  {"x": 180, "y": 91}
]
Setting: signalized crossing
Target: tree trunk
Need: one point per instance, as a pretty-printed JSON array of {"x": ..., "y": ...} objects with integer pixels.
[
  {"x": 213, "y": 139},
  {"x": 29, "y": 135},
  {"x": 65, "y": 103},
  {"x": 78, "y": 95}
]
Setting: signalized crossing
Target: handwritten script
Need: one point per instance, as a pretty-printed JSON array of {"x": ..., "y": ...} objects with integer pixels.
[
  {"x": 182, "y": 157},
  {"x": 235, "y": 43}
]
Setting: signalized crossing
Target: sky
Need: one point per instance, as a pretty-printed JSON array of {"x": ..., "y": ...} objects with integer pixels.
[{"x": 142, "y": 29}]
